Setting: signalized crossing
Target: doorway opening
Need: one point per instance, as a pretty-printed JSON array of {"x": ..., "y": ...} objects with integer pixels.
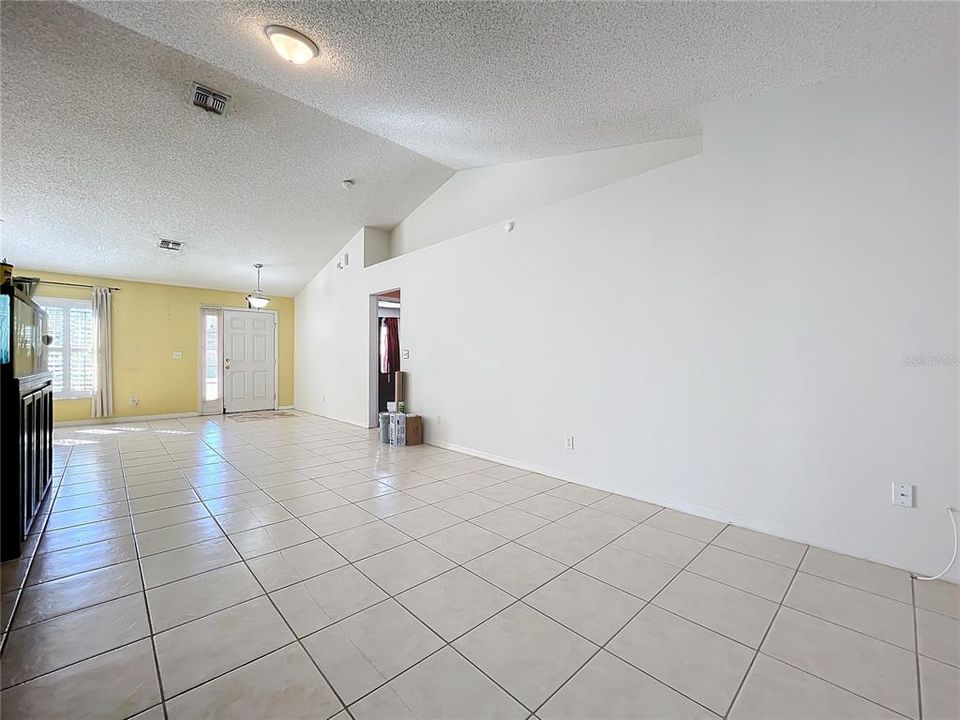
[
  {"x": 238, "y": 360},
  {"x": 384, "y": 351}
]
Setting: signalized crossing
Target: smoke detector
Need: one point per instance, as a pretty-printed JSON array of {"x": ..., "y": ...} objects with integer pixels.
[
  {"x": 171, "y": 245},
  {"x": 210, "y": 100}
]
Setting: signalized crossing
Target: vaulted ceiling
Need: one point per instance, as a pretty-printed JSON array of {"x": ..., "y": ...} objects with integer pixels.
[
  {"x": 480, "y": 83},
  {"x": 103, "y": 153}
]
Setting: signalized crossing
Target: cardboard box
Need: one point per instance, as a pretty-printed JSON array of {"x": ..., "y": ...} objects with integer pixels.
[
  {"x": 405, "y": 429},
  {"x": 400, "y": 383},
  {"x": 414, "y": 430},
  {"x": 398, "y": 429}
]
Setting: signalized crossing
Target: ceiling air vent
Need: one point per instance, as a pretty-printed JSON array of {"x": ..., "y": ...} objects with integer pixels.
[
  {"x": 171, "y": 245},
  {"x": 209, "y": 100}
]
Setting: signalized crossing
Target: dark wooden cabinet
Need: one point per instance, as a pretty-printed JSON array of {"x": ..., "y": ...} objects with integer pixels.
[
  {"x": 26, "y": 418},
  {"x": 27, "y": 467}
]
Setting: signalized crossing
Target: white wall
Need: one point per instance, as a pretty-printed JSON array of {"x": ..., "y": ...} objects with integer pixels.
[
  {"x": 476, "y": 197},
  {"x": 726, "y": 334}
]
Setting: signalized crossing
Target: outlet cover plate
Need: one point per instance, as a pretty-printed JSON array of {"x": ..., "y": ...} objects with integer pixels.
[{"x": 903, "y": 494}]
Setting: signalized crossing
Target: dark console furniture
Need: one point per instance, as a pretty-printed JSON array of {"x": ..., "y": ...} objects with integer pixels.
[{"x": 26, "y": 416}]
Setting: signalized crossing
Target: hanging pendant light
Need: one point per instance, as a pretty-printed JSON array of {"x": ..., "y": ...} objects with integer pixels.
[{"x": 257, "y": 300}]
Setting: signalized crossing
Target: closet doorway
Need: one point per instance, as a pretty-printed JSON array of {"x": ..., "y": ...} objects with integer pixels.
[{"x": 385, "y": 350}]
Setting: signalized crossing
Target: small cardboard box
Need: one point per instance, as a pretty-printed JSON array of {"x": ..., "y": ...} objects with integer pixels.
[
  {"x": 414, "y": 430},
  {"x": 405, "y": 429},
  {"x": 398, "y": 429}
]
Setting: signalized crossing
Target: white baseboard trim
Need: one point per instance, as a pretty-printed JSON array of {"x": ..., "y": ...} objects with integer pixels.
[
  {"x": 910, "y": 564},
  {"x": 330, "y": 417},
  {"x": 124, "y": 419}
]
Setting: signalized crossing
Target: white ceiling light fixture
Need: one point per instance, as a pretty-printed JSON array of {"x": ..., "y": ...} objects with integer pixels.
[
  {"x": 292, "y": 46},
  {"x": 257, "y": 300}
]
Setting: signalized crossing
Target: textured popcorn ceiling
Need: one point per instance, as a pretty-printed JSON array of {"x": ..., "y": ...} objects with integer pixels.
[
  {"x": 479, "y": 83},
  {"x": 102, "y": 154}
]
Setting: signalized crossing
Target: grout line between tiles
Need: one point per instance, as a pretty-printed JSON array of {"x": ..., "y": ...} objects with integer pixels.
[
  {"x": 856, "y": 587},
  {"x": 764, "y": 638},
  {"x": 828, "y": 681},
  {"x": 146, "y": 606},
  {"x": 75, "y": 662},
  {"x": 916, "y": 646}
]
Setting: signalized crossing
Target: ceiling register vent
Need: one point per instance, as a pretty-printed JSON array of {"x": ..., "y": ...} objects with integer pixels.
[
  {"x": 171, "y": 245},
  {"x": 209, "y": 100}
]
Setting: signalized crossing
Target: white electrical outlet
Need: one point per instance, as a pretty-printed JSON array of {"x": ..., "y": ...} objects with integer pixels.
[
  {"x": 439, "y": 419},
  {"x": 134, "y": 401},
  {"x": 178, "y": 355},
  {"x": 568, "y": 443},
  {"x": 903, "y": 495}
]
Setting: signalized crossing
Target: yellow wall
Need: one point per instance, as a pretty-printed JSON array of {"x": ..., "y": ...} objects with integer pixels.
[{"x": 150, "y": 323}]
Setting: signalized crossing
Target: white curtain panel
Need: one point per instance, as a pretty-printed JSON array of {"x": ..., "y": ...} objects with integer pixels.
[{"x": 103, "y": 358}]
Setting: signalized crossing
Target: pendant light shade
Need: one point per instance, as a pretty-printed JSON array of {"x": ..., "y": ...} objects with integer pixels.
[{"x": 257, "y": 300}]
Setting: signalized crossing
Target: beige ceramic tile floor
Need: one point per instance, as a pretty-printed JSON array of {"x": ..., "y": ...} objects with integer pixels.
[{"x": 296, "y": 568}]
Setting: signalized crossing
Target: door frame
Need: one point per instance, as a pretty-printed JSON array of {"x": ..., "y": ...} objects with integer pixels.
[
  {"x": 276, "y": 355},
  {"x": 373, "y": 391}
]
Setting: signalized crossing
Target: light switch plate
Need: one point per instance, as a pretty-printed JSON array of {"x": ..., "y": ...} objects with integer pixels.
[
  {"x": 406, "y": 354},
  {"x": 178, "y": 356}
]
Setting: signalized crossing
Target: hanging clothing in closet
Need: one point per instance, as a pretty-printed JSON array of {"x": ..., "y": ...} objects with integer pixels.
[{"x": 389, "y": 345}]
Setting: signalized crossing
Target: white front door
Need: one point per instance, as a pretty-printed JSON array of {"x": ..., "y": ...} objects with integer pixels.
[{"x": 249, "y": 360}]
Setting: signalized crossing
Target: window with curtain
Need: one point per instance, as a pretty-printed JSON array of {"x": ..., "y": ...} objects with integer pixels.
[{"x": 70, "y": 357}]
